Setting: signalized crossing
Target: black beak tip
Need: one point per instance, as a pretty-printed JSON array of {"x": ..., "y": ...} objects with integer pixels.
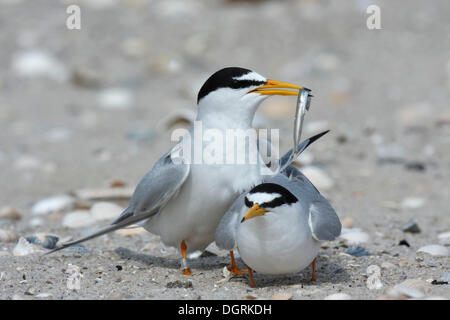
[{"x": 243, "y": 219}]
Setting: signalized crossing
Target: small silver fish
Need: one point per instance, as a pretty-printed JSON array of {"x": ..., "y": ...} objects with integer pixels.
[{"x": 303, "y": 104}]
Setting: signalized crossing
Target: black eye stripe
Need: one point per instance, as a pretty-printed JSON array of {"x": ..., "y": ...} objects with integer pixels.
[
  {"x": 238, "y": 84},
  {"x": 274, "y": 203}
]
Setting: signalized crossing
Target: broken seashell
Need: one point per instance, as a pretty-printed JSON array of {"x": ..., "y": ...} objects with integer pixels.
[{"x": 24, "y": 248}]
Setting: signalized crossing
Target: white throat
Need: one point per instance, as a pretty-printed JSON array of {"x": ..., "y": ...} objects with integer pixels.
[{"x": 223, "y": 109}]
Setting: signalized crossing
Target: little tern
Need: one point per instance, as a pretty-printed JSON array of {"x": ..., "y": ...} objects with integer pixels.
[
  {"x": 278, "y": 225},
  {"x": 183, "y": 202}
]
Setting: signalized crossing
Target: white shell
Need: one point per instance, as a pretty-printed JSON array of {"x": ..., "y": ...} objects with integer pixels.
[
  {"x": 106, "y": 211},
  {"x": 355, "y": 237},
  {"x": 53, "y": 204},
  {"x": 338, "y": 296},
  {"x": 374, "y": 279},
  {"x": 24, "y": 248},
  {"x": 435, "y": 250},
  {"x": 78, "y": 219}
]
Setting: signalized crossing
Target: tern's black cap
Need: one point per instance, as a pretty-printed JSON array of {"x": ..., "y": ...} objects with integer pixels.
[
  {"x": 224, "y": 78},
  {"x": 286, "y": 197}
]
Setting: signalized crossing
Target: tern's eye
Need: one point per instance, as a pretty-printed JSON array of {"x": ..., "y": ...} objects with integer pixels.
[{"x": 248, "y": 203}]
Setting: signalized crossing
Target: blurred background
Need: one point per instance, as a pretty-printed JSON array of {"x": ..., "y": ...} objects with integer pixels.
[{"x": 93, "y": 107}]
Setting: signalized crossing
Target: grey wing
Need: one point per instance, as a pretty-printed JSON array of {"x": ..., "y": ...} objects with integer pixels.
[
  {"x": 226, "y": 230},
  {"x": 154, "y": 190},
  {"x": 157, "y": 187},
  {"x": 323, "y": 220}
]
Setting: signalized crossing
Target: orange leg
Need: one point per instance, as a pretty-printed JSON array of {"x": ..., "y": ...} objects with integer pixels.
[
  {"x": 313, "y": 277},
  {"x": 252, "y": 281},
  {"x": 234, "y": 269},
  {"x": 186, "y": 270}
]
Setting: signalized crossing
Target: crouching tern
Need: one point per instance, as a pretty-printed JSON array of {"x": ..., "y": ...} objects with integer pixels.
[
  {"x": 182, "y": 202},
  {"x": 278, "y": 225}
]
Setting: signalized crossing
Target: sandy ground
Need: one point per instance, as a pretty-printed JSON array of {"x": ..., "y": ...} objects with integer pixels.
[{"x": 383, "y": 93}]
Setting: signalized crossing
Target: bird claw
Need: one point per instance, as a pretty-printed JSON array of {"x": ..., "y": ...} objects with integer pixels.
[
  {"x": 235, "y": 270},
  {"x": 187, "y": 272}
]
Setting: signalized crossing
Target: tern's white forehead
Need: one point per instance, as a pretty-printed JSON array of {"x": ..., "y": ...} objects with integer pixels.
[
  {"x": 262, "y": 197},
  {"x": 251, "y": 76}
]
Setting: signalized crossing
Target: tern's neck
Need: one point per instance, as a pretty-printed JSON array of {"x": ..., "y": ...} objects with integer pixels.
[
  {"x": 223, "y": 120},
  {"x": 226, "y": 116}
]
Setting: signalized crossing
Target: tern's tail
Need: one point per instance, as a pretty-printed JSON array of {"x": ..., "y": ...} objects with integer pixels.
[
  {"x": 127, "y": 219},
  {"x": 102, "y": 231}
]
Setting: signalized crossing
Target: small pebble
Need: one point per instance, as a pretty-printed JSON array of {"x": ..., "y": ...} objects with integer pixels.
[
  {"x": 78, "y": 219},
  {"x": 412, "y": 203},
  {"x": 435, "y": 250},
  {"x": 444, "y": 238},
  {"x": 338, "y": 296},
  {"x": 36, "y": 63},
  {"x": 104, "y": 194},
  {"x": 411, "y": 226},
  {"x": 390, "y": 153},
  {"x": 36, "y": 222},
  {"x": 415, "y": 166},
  {"x": 130, "y": 231},
  {"x": 8, "y": 235},
  {"x": 10, "y": 213},
  {"x": 436, "y": 282},
  {"x": 53, "y": 204},
  {"x": 44, "y": 240},
  {"x": 106, "y": 211},
  {"x": 357, "y": 251},
  {"x": 178, "y": 118},
  {"x": 318, "y": 177},
  {"x": 115, "y": 99},
  {"x": 355, "y": 237},
  {"x": 85, "y": 76},
  {"x": 180, "y": 284},
  {"x": 281, "y": 296},
  {"x": 403, "y": 242},
  {"x": 347, "y": 222}
]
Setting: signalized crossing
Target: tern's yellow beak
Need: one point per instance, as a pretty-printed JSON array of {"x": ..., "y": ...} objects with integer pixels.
[
  {"x": 254, "y": 211},
  {"x": 274, "y": 87}
]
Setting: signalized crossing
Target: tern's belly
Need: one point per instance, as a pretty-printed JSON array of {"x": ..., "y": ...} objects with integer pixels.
[{"x": 272, "y": 246}]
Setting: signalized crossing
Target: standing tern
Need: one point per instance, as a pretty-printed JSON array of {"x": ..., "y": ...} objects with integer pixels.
[{"x": 184, "y": 202}]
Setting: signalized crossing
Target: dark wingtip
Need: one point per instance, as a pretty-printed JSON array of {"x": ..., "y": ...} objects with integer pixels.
[{"x": 317, "y": 136}]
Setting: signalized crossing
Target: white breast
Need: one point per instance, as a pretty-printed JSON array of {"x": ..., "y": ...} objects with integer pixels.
[{"x": 277, "y": 243}]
